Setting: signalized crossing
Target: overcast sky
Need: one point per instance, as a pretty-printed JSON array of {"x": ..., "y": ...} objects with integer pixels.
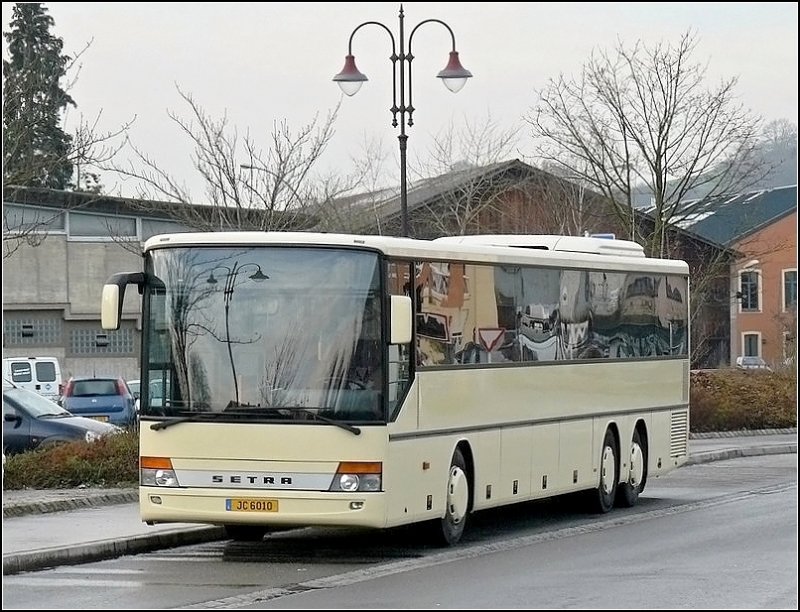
[{"x": 265, "y": 62}]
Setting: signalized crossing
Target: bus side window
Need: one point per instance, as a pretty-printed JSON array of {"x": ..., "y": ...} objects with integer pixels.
[{"x": 398, "y": 366}]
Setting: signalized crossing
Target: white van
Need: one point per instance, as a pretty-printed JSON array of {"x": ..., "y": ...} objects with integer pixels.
[{"x": 39, "y": 374}]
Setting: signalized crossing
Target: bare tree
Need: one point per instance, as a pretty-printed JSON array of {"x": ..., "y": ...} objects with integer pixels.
[
  {"x": 246, "y": 187},
  {"x": 31, "y": 226},
  {"x": 352, "y": 203},
  {"x": 779, "y": 148},
  {"x": 89, "y": 149},
  {"x": 470, "y": 181},
  {"x": 566, "y": 206},
  {"x": 455, "y": 163},
  {"x": 467, "y": 181},
  {"x": 643, "y": 115},
  {"x": 453, "y": 169},
  {"x": 710, "y": 306},
  {"x": 85, "y": 150}
]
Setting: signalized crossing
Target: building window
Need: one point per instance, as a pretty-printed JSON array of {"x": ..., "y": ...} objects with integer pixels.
[
  {"x": 789, "y": 289},
  {"x": 94, "y": 341},
  {"x": 28, "y": 219},
  {"x": 31, "y": 331},
  {"x": 749, "y": 290},
  {"x": 89, "y": 225},
  {"x": 153, "y": 227},
  {"x": 751, "y": 344}
]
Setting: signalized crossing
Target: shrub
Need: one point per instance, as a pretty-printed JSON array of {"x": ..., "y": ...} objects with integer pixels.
[
  {"x": 732, "y": 400},
  {"x": 112, "y": 461}
]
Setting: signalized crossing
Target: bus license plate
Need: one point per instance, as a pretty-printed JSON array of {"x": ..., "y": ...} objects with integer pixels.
[{"x": 240, "y": 504}]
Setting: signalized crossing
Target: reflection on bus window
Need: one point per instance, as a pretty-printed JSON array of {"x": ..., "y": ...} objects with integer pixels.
[{"x": 526, "y": 314}]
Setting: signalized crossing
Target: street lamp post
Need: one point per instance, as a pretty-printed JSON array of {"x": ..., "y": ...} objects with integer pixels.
[
  {"x": 227, "y": 296},
  {"x": 454, "y": 76}
]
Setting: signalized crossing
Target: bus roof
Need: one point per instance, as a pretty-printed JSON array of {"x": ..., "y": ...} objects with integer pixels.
[
  {"x": 572, "y": 244},
  {"x": 547, "y": 250}
]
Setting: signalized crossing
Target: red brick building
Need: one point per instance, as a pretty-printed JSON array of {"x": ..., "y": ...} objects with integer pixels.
[
  {"x": 761, "y": 227},
  {"x": 765, "y": 279}
]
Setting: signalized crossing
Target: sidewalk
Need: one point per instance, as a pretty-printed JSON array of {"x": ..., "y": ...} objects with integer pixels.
[{"x": 47, "y": 528}]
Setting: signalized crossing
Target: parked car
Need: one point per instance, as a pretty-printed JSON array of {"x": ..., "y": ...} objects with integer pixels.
[
  {"x": 32, "y": 421},
  {"x": 105, "y": 399},
  {"x": 39, "y": 374},
  {"x": 752, "y": 363},
  {"x": 155, "y": 395}
]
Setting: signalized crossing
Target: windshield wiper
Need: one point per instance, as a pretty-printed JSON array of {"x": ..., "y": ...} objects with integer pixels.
[
  {"x": 318, "y": 417},
  {"x": 250, "y": 409},
  {"x": 201, "y": 416},
  {"x": 209, "y": 416}
]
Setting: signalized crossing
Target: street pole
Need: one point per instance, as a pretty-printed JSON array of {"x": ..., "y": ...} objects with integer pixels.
[{"x": 454, "y": 76}]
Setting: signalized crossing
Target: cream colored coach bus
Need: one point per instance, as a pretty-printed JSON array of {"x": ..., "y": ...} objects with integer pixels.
[{"x": 371, "y": 381}]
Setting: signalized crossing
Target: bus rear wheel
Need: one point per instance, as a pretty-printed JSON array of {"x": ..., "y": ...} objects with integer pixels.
[
  {"x": 628, "y": 492},
  {"x": 603, "y": 496},
  {"x": 448, "y": 530},
  {"x": 245, "y": 533}
]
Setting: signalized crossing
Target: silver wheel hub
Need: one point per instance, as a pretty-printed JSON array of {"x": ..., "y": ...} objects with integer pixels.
[
  {"x": 637, "y": 465},
  {"x": 457, "y": 494},
  {"x": 608, "y": 471}
]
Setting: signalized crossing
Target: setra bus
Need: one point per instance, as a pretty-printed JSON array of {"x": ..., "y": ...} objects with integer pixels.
[{"x": 370, "y": 381}]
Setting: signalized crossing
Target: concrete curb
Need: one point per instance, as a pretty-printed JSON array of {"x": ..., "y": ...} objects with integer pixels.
[
  {"x": 709, "y": 435},
  {"x": 733, "y": 453},
  {"x": 15, "y": 563},
  {"x": 62, "y": 505}
]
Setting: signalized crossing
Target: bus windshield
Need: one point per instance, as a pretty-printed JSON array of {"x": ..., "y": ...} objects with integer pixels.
[{"x": 264, "y": 333}]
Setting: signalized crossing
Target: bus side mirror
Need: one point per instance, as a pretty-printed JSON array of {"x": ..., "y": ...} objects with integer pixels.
[
  {"x": 113, "y": 297},
  {"x": 111, "y": 306},
  {"x": 401, "y": 320}
]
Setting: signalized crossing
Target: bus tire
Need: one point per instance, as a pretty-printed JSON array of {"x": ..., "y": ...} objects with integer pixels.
[
  {"x": 603, "y": 496},
  {"x": 628, "y": 492},
  {"x": 448, "y": 530},
  {"x": 245, "y": 533}
]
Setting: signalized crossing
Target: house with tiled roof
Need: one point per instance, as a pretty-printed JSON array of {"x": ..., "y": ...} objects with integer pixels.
[
  {"x": 761, "y": 226},
  {"x": 509, "y": 197}
]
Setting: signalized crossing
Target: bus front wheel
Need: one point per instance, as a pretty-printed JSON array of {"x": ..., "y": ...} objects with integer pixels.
[
  {"x": 603, "y": 496},
  {"x": 245, "y": 533},
  {"x": 449, "y": 529}
]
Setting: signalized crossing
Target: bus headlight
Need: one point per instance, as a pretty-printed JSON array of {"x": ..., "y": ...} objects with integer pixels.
[
  {"x": 348, "y": 482},
  {"x": 370, "y": 482},
  {"x": 362, "y": 476},
  {"x": 159, "y": 478},
  {"x": 157, "y": 472}
]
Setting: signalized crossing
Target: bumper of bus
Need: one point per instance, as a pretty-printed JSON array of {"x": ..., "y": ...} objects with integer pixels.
[{"x": 295, "y": 508}]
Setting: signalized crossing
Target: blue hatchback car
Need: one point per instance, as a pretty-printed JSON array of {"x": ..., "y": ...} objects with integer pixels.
[
  {"x": 32, "y": 421},
  {"x": 103, "y": 399}
]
